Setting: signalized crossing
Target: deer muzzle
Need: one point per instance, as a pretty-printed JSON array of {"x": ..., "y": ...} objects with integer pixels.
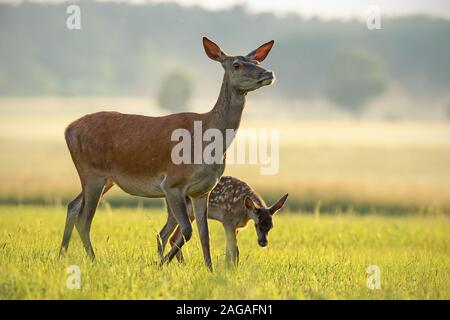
[{"x": 267, "y": 78}]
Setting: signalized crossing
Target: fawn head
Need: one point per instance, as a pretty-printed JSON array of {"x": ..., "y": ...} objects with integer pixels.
[
  {"x": 263, "y": 217},
  {"x": 244, "y": 73}
]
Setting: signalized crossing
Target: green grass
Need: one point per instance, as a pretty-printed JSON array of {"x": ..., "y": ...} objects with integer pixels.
[
  {"x": 392, "y": 178},
  {"x": 308, "y": 257}
]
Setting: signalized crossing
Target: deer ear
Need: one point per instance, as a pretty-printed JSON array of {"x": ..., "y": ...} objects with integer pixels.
[
  {"x": 261, "y": 53},
  {"x": 212, "y": 50},
  {"x": 249, "y": 204},
  {"x": 279, "y": 204}
]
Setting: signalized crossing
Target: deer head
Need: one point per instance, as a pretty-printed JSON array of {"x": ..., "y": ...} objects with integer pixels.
[
  {"x": 263, "y": 217},
  {"x": 244, "y": 73}
]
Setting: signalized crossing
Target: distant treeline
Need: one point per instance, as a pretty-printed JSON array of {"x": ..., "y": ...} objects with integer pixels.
[
  {"x": 125, "y": 49},
  {"x": 306, "y": 206}
]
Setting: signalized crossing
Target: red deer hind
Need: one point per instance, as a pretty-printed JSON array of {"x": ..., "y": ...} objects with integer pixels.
[{"x": 134, "y": 152}]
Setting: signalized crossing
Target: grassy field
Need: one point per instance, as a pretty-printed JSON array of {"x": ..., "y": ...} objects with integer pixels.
[
  {"x": 364, "y": 165},
  {"x": 361, "y": 193},
  {"x": 308, "y": 257}
]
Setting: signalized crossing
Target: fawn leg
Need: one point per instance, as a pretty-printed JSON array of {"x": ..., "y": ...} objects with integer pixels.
[{"x": 232, "y": 250}]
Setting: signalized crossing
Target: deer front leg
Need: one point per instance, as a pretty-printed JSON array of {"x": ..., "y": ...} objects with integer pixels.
[
  {"x": 177, "y": 234},
  {"x": 173, "y": 240},
  {"x": 200, "y": 206},
  {"x": 232, "y": 250},
  {"x": 166, "y": 231},
  {"x": 176, "y": 201}
]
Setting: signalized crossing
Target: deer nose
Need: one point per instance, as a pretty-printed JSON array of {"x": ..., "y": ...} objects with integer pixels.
[
  {"x": 268, "y": 75},
  {"x": 267, "y": 78},
  {"x": 262, "y": 243}
]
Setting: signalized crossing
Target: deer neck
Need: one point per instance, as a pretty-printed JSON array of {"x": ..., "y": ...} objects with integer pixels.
[{"x": 228, "y": 109}]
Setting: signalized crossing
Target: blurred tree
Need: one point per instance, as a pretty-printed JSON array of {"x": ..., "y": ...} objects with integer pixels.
[
  {"x": 124, "y": 48},
  {"x": 355, "y": 77},
  {"x": 175, "y": 91}
]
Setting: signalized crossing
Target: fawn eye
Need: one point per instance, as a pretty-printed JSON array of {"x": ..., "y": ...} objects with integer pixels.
[{"x": 236, "y": 65}]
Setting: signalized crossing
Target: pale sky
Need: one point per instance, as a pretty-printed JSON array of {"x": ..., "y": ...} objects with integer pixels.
[
  {"x": 321, "y": 8},
  {"x": 333, "y": 8}
]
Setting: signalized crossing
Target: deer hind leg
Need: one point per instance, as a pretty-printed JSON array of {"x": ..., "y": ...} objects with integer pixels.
[
  {"x": 200, "y": 206},
  {"x": 177, "y": 206},
  {"x": 92, "y": 192},
  {"x": 73, "y": 210}
]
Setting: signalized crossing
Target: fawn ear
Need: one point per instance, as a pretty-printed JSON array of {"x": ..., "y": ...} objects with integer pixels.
[
  {"x": 212, "y": 50},
  {"x": 261, "y": 53},
  {"x": 249, "y": 204},
  {"x": 279, "y": 204}
]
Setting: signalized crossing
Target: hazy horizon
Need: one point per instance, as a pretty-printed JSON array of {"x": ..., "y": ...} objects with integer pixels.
[{"x": 324, "y": 9}]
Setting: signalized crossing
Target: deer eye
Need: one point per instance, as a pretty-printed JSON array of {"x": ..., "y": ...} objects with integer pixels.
[{"x": 236, "y": 65}]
